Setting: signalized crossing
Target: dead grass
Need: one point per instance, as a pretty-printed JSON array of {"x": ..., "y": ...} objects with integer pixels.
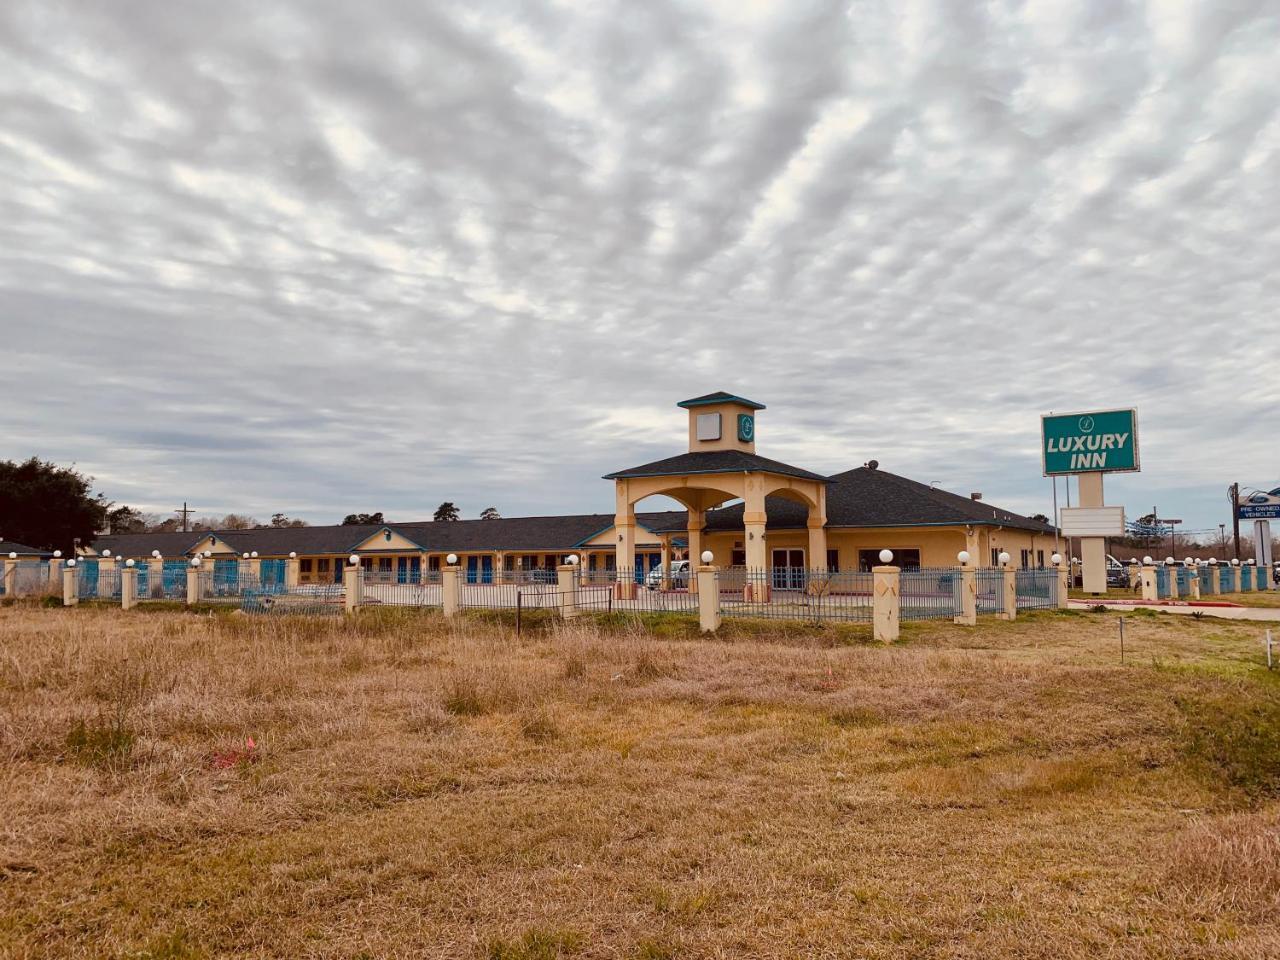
[{"x": 179, "y": 785}]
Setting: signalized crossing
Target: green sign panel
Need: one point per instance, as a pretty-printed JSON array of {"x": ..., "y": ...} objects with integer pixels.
[
  {"x": 746, "y": 427},
  {"x": 1104, "y": 441}
]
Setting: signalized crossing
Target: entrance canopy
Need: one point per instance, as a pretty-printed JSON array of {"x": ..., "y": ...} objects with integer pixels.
[{"x": 720, "y": 465}]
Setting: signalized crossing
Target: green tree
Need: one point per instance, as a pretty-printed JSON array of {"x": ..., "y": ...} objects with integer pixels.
[
  {"x": 490, "y": 513},
  {"x": 447, "y": 511},
  {"x": 126, "y": 520},
  {"x": 280, "y": 520},
  {"x": 49, "y": 507},
  {"x": 351, "y": 519}
]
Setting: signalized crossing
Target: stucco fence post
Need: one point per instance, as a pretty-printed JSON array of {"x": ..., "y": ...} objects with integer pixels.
[
  {"x": 55, "y": 573},
  {"x": 352, "y": 585},
  {"x": 1150, "y": 588},
  {"x": 193, "y": 582},
  {"x": 1064, "y": 583},
  {"x": 708, "y": 598},
  {"x": 128, "y": 586},
  {"x": 567, "y": 590},
  {"x": 1009, "y": 589},
  {"x": 291, "y": 573},
  {"x": 1235, "y": 572},
  {"x": 70, "y": 585},
  {"x": 9, "y": 576},
  {"x": 451, "y": 587},
  {"x": 886, "y": 603},
  {"x": 1171, "y": 571},
  {"x": 1193, "y": 582},
  {"x": 968, "y": 615}
]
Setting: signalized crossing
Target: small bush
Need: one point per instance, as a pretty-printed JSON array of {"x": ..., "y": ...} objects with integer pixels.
[
  {"x": 1237, "y": 739},
  {"x": 538, "y": 725},
  {"x": 107, "y": 744},
  {"x": 575, "y": 667},
  {"x": 536, "y": 945}
]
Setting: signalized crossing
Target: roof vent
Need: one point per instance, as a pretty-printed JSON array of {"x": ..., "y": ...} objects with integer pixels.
[
  {"x": 976, "y": 495},
  {"x": 873, "y": 464}
]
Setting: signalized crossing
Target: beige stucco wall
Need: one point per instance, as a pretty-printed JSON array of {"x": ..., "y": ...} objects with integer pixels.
[
  {"x": 938, "y": 546},
  {"x": 728, "y": 428}
]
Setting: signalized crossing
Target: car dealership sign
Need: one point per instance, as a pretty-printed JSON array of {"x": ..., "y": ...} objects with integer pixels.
[
  {"x": 1103, "y": 441},
  {"x": 1260, "y": 506}
]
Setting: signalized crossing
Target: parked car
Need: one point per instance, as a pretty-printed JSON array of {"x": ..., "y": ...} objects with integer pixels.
[
  {"x": 679, "y": 575},
  {"x": 1117, "y": 575}
]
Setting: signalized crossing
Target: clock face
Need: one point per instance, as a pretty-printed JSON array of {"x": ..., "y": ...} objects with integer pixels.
[{"x": 746, "y": 427}]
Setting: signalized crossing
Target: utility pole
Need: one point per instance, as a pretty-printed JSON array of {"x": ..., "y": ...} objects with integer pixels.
[
  {"x": 1235, "y": 515},
  {"x": 1222, "y": 537},
  {"x": 186, "y": 515}
]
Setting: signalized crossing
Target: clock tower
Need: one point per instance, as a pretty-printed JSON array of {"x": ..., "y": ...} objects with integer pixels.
[{"x": 721, "y": 421}]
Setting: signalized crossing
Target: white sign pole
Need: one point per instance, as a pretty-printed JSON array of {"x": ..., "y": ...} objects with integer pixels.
[{"x": 1262, "y": 543}]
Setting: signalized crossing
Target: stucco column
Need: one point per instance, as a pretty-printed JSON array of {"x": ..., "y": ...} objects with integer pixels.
[
  {"x": 155, "y": 578},
  {"x": 1064, "y": 584},
  {"x": 754, "y": 523},
  {"x": 351, "y": 587},
  {"x": 291, "y": 572},
  {"x": 55, "y": 575},
  {"x": 665, "y": 581},
  {"x": 251, "y": 570},
  {"x": 193, "y": 581},
  {"x": 708, "y": 598},
  {"x": 1150, "y": 589},
  {"x": 452, "y": 589},
  {"x": 1171, "y": 574},
  {"x": 624, "y": 522},
  {"x": 968, "y": 615},
  {"x": 693, "y": 530},
  {"x": 1193, "y": 583},
  {"x": 70, "y": 587},
  {"x": 885, "y": 603},
  {"x": 1235, "y": 572},
  {"x": 1135, "y": 576},
  {"x": 1010, "y": 585},
  {"x": 128, "y": 587},
  {"x": 566, "y": 590},
  {"x": 9, "y": 576}
]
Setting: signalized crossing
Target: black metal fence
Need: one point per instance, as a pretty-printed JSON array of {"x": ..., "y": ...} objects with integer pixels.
[
  {"x": 929, "y": 593},
  {"x": 419, "y": 588},
  {"x": 792, "y": 593},
  {"x": 1037, "y": 589},
  {"x": 990, "y": 589}
]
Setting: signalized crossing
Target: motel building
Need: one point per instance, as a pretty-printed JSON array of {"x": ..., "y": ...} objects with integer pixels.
[{"x": 750, "y": 511}]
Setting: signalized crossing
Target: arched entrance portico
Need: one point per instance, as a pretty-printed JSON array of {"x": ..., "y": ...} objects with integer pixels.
[{"x": 716, "y": 470}]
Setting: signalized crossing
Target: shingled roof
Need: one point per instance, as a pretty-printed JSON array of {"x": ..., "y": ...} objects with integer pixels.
[
  {"x": 553, "y": 534},
  {"x": 714, "y": 461},
  {"x": 864, "y": 497},
  {"x": 21, "y": 549}
]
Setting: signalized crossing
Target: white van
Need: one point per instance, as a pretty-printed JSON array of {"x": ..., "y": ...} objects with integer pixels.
[{"x": 679, "y": 575}]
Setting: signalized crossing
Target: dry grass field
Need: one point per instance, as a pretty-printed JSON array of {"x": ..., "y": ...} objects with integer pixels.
[{"x": 181, "y": 785}]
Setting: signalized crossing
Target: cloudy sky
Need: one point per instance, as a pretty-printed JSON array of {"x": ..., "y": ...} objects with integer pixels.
[{"x": 320, "y": 258}]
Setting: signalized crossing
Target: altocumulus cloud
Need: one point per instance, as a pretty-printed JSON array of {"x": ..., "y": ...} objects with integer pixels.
[{"x": 329, "y": 257}]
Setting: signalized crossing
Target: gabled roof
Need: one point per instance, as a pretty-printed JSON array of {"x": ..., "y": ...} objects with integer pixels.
[
  {"x": 714, "y": 461},
  {"x": 876, "y": 498},
  {"x": 21, "y": 549},
  {"x": 719, "y": 397},
  {"x": 550, "y": 534}
]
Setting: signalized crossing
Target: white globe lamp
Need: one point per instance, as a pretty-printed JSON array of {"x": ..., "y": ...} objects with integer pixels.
[
  {"x": 353, "y": 559},
  {"x": 707, "y": 557},
  {"x": 451, "y": 559},
  {"x": 1056, "y": 559},
  {"x": 1003, "y": 558},
  {"x": 963, "y": 557}
]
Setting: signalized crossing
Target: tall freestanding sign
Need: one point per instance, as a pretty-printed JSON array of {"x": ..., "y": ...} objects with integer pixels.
[
  {"x": 1087, "y": 445},
  {"x": 1261, "y": 508}
]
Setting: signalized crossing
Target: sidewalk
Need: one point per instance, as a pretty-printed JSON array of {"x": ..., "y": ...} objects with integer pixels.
[{"x": 1228, "y": 611}]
